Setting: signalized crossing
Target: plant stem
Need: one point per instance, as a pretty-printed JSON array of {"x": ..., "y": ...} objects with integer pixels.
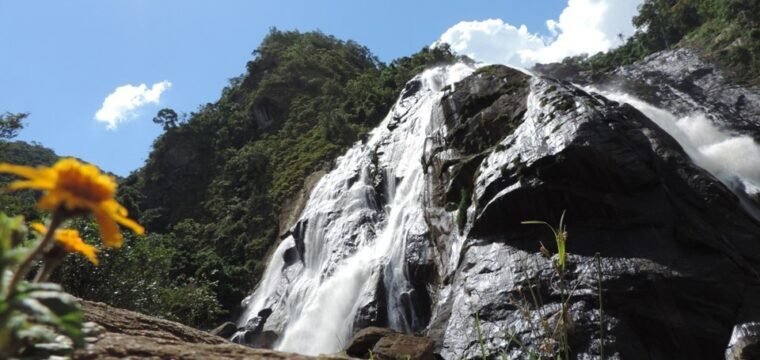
[
  {"x": 26, "y": 264},
  {"x": 601, "y": 309},
  {"x": 480, "y": 337}
]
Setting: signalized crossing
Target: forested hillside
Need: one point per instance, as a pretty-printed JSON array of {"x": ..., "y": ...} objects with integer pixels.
[
  {"x": 724, "y": 31},
  {"x": 211, "y": 191},
  {"x": 19, "y": 152}
]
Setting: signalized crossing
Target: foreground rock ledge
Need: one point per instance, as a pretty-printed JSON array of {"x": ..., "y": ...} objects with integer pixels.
[{"x": 133, "y": 335}]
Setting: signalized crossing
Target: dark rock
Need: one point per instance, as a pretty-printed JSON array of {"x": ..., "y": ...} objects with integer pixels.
[
  {"x": 411, "y": 88},
  {"x": 678, "y": 252},
  {"x": 364, "y": 341},
  {"x": 680, "y": 81},
  {"x": 254, "y": 334},
  {"x": 398, "y": 346},
  {"x": 484, "y": 108},
  {"x": 225, "y": 330},
  {"x": 374, "y": 312}
]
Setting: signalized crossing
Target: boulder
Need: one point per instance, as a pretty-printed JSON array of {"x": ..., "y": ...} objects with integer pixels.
[
  {"x": 127, "y": 334},
  {"x": 225, "y": 330},
  {"x": 399, "y": 346},
  {"x": 364, "y": 341},
  {"x": 678, "y": 252}
]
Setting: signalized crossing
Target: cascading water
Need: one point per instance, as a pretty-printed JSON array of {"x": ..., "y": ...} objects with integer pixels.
[
  {"x": 348, "y": 249},
  {"x": 732, "y": 158},
  {"x": 353, "y": 231}
]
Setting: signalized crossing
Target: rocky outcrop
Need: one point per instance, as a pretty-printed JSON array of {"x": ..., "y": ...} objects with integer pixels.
[
  {"x": 127, "y": 334},
  {"x": 382, "y": 343},
  {"x": 664, "y": 256},
  {"x": 678, "y": 256},
  {"x": 682, "y": 82},
  {"x": 293, "y": 206}
]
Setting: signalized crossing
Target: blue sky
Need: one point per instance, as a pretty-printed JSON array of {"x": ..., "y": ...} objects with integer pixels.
[{"x": 61, "y": 59}]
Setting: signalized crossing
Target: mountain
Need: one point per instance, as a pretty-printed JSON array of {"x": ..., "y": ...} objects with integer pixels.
[
  {"x": 725, "y": 33},
  {"x": 420, "y": 227},
  {"x": 216, "y": 186},
  {"x": 340, "y": 193},
  {"x": 20, "y": 152}
]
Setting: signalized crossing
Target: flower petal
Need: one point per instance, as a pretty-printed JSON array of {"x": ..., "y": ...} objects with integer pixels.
[
  {"x": 109, "y": 230},
  {"x": 38, "y": 227},
  {"x": 119, "y": 214},
  {"x": 30, "y": 184},
  {"x": 28, "y": 171},
  {"x": 70, "y": 241}
]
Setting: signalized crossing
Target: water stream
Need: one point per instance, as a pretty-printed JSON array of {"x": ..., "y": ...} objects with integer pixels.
[
  {"x": 352, "y": 234},
  {"x": 355, "y": 230}
]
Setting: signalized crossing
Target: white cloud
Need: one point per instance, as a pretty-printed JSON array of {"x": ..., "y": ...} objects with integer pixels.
[
  {"x": 122, "y": 104},
  {"x": 584, "y": 26}
]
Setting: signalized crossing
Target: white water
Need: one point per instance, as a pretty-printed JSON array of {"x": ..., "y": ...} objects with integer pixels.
[
  {"x": 732, "y": 158},
  {"x": 349, "y": 238},
  {"x": 351, "y": 241}
]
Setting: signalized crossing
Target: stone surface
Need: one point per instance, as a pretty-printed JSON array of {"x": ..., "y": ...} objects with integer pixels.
[
  {"x": 132, "y": 335},
  {"x": 678, "y": 253},
  {"x": 225, "y": 330},
  {"x": 680, "y": 81},
  {"x": 364, "y": 341},
  {"x": 678, "y": 262},
  {"x": 292, "y": 206},
  {"x": 399, "y": 346}
]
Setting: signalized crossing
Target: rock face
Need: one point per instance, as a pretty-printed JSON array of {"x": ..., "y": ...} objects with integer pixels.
[
  {"x": 382, "y": 343},
  {"x": 132, "y": 335},
  {"x": 680, "y": 81},
  {"x": 664, "y": 254},
  {"x": 678, "y": 255}
]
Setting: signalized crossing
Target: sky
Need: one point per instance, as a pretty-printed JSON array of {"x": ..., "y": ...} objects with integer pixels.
[{"x": 93, "y": 73}]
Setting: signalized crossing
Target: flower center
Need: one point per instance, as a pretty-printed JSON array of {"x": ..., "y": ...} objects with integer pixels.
[{"x": 85, "y": 182}]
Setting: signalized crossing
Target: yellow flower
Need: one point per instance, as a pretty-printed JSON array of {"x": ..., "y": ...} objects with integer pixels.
[
  {"x": 70, "y": 241},
  {"x": 75, "y": 187}
]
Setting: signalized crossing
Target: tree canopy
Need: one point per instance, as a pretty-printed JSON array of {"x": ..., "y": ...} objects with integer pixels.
[{"x": 213, "y": 185}]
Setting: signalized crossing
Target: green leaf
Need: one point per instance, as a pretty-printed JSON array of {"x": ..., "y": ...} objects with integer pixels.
[
  {"x": 37, "y": 333},
  {"x": 56, "y": 309}
]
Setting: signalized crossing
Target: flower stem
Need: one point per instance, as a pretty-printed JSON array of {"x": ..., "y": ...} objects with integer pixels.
[{"x": 26, "y": 264}]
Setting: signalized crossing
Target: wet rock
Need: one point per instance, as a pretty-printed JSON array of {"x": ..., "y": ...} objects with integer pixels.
[
  {"x": 484, "y": 108},
  {"x": 631, "y": 194},
  {"x": 293, "y": 206},
  {"x": 745, "y": 342},
  {"x": 411, "y": 88},
  {"x": 225, "y": 330},
  {"x": 364, "y": 341},
  {"x": 682, "y": 82},
  {"x": 254, "y": 333},
  {"x": 374, "y": 311},
  {"x": 398, "y": 346}
]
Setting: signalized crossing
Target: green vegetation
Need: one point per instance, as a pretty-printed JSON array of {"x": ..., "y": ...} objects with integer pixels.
[
  {"x": 11, "y": 124},
  {"x": 19, "y": 152},
  {"x": 560, "y": 237},
  {"x": 211, "y": 190},
  {"x": 725, "y": 31},
  {"x": 464, "y": 204},
  {"x": 549, "y": 332},
  {"x": 37, "y": 319}
]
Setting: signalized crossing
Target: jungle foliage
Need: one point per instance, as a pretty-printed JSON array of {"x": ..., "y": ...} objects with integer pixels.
[
  {"x": 724, "y": 31},
  {"x": 212, "y": 187}
]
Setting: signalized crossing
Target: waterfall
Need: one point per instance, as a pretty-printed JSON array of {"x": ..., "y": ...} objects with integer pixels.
[
  {"x": 734, "y": 159},
  {"x": 351, "y": 236},
  {"x": 345, "y": 258}
]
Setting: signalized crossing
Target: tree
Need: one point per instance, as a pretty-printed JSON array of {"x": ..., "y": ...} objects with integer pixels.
[
  {"x": 11, "y": 124},
  {"x": 167, "y": 118}
]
